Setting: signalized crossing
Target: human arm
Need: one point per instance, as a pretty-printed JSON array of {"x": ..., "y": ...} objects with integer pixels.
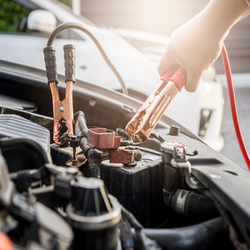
[{"x": 197, "y": 43}]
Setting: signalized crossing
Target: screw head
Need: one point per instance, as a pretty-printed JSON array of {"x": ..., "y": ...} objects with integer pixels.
[{"x": 61, "y": 109}]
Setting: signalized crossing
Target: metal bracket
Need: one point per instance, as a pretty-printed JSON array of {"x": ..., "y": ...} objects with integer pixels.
[{"x": 180, "y": 161}]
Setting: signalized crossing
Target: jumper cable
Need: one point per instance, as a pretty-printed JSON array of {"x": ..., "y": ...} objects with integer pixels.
[
  {"x": 62, "y": 110},
  {"x": 233, "y": 106},
  {"x": 146, "y": 118}
]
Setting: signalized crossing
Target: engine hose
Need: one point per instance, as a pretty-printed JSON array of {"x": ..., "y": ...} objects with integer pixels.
[
  {"x": 94, "y": 158},
  {"x": 201, "y": 236},
  {"x": 25, "y": 143},
  {"x": 171, "y": 177},
  {"x": 193, "y": 204},
  {"x": 78, "y": 26}
]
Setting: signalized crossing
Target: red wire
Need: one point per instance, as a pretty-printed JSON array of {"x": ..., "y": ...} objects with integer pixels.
[{"x": 233, "y": 106}]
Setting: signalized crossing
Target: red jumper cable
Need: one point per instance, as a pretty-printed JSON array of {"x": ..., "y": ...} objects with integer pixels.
[{"x": 233, "y": 106}]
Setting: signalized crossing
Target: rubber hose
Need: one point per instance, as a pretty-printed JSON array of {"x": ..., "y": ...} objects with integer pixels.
[
  {"x": 197, "y": 204},
  {"x": 202, "y": 236},
  {"x": 193, "y": 204},
  {"x": 170, "y": 183}
]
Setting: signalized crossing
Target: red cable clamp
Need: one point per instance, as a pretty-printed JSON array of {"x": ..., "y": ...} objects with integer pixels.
[
  {"x": 101, "y": 139},
  {"x": 121, "y": 155},
  {"x": 145, "y": 120}
]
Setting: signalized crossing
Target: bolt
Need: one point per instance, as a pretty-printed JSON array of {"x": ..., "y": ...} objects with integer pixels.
[
  {"x": 74, "y": 156},
  {"x": 62, "y": 109},
  {"x": 137, "y": 155},
  {"x": 174, "y": 130},
  {"x": 74, "y": 143}
]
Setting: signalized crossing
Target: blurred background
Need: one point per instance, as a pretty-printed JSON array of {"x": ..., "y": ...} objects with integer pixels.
[
  {"x": 157, "y": 16},
  {"x": 163, "y": 17}
]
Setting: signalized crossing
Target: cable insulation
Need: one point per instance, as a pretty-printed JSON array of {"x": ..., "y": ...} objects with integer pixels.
[
  {"x": 233, "y": 106},
  {"x": 79, "y": 26}
]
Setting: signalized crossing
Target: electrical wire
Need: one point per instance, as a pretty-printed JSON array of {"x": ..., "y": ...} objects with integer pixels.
[
  {"x": 233, "y": 106},
  {"x": 70, "y": 25}
]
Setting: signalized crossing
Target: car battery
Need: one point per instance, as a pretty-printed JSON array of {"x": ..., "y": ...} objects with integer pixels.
[{"x": 138, "y": 187}]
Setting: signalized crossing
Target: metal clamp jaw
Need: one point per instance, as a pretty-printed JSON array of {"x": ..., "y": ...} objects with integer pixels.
[
  {"x": 62, "y": 110},
  {"x": 144, "y": 121}
]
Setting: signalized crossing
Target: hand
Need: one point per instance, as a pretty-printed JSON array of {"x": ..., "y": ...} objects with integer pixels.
[
  {"x": 198, "y": 43},
  {"x": 194, "y": 48}
]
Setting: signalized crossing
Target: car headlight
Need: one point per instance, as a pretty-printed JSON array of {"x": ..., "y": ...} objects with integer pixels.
[
  {"x": 204, "y": 120},
  {"x": 209, "y": 75}
]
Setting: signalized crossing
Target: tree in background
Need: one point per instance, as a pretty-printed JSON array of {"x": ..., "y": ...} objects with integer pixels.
[
  {"x": 11, "y": 13},
  {"x": 67, "y": 2}
]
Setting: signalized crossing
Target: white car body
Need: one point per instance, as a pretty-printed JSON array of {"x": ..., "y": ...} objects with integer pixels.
[{"x": 137, "y": 68}]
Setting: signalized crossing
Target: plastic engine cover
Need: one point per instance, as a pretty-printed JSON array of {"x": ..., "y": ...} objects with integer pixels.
[{"x": 15, "y": 126}]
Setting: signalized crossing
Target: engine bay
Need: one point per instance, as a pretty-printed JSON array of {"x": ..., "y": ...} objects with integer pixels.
[{"x": 100, "y": 189}]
